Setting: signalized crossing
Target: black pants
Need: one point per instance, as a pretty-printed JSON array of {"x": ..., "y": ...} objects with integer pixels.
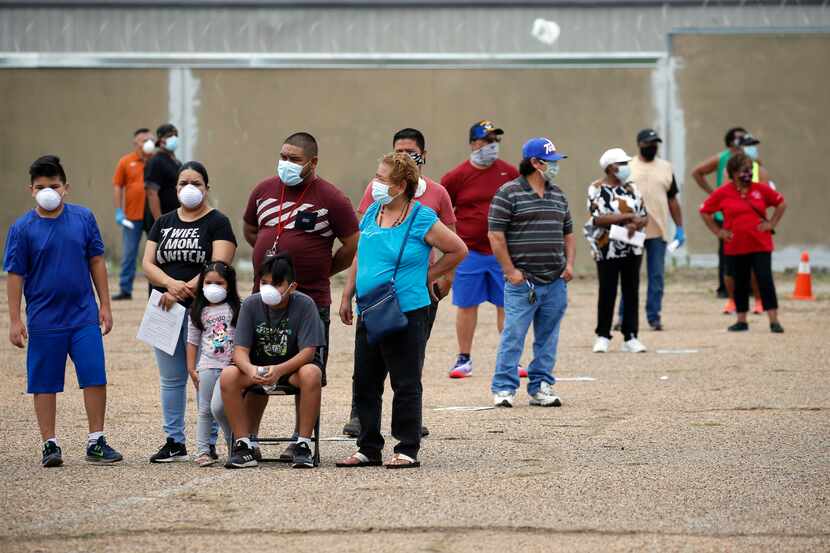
[
  {"x": 741, "y": 268},
  {"x": 433, "y": 312},
  {"x": 721, "y": 264},
  {"x": 401, "y": 356},
  {"x": 722, "y": 270},
  {"x": 626, "y": 272},
  {"x": 325, "y": 317}
]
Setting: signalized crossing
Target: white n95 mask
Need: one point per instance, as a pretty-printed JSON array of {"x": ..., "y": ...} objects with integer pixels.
[
  {"x": 48, "y": 199},
  {"x": 270, "y": 295},
  {"x": 190, "y": 196},
  {"x": 214, "y": 293}
]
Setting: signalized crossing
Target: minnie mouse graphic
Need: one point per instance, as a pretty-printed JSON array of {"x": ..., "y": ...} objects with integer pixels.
[{"x": 219, "y": 331}]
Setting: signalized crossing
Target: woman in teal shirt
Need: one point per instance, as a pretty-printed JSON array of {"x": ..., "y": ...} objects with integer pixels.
[{"x": 401, "y": 355}]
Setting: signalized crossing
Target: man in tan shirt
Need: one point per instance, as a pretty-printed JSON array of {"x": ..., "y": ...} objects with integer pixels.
[{"x": 655, "y": 180}]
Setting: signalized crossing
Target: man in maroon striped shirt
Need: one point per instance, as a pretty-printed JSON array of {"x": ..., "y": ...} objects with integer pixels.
[{"x": 299, "y": 213}]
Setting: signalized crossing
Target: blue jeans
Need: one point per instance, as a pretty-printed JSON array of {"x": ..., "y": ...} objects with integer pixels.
[
  {"x": 173, "y": 379},
  {"x": 131, "y": 240},
  {"x": 519, "y": 313},
  {"x": 211, "y": 411},
  {"x": 655, "y": 250}
]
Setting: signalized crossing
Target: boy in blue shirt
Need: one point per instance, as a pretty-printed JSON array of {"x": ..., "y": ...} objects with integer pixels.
[{"x": 51, "y": 252}]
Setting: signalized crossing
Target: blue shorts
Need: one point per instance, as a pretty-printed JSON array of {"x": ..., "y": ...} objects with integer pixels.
[
  {"x": 478, "y": 279},
  {"x": 46, "y": 359}
]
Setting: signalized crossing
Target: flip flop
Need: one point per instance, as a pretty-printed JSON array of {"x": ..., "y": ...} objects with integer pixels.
[
  {"x": 401, "y": 461},
  {"x": 357, "y": 460}
]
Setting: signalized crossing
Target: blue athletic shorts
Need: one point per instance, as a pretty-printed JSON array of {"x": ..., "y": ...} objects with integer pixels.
[
  {"x": 46, "y": 358},
  {"x": 478, "y": 279}
]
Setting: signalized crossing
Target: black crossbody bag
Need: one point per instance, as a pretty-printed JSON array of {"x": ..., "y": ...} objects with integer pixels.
[{"x": 380, "y": 309}]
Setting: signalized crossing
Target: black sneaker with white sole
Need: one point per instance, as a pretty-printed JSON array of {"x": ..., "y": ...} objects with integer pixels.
[
  {"x": 170, "y": 452},
  {"x": 51, "y": 455},
  {"x": 302, "y": 456},
  {"x": 242, "y": 456},
  {"x": 287, "y": 456},
  {"x": 100, "y": 453}
]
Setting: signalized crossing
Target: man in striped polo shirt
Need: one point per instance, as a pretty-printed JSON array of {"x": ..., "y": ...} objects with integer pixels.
[{"x": 531, "y": 233}]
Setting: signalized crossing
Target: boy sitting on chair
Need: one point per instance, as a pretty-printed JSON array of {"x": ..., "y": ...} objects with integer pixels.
[{"x": 279, "y": 337}]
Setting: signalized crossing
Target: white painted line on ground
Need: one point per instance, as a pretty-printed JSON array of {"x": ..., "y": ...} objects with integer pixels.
[
  {"x": 678, "y": 351},
  {"x": 338, "y": 439},
  {"x": 664, "y": 378},
  {"x": 464, "y": 408},
  {"x": 575, "y": 379}
]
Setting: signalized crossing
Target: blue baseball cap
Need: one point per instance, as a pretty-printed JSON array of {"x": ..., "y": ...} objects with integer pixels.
[
  {"x": 482, "y": 129},
  {"x": 541, "y": 148}
]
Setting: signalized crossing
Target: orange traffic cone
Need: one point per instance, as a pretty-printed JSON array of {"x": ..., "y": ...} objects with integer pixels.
[{"x": 803, "y": 280}]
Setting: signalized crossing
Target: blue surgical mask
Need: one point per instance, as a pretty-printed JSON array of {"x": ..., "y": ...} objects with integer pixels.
[
  {"x": 751, "y": 151},
  {"x": 380, "y": 193},
  {"x": 171, "y": 143},
  {"x": 289, "y": 173},
  {"x": 551, "y": 171},
  {"x": 486, "y": 155},
  {"x": 624, "y": 173}
]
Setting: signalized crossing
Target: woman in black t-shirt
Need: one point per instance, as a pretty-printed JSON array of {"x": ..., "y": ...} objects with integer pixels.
[{"x": 178, "y": 246}]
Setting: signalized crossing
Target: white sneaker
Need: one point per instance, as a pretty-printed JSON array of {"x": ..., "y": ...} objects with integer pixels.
[
  {"x": 545, "y": 397},
  {"x": 504, "y": 399},
  {"x": 633, "y": 346},
  {"x": 601, "y": 344}
]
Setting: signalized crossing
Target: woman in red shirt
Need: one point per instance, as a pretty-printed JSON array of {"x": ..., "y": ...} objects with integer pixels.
[{"x": 747, "y": 235}]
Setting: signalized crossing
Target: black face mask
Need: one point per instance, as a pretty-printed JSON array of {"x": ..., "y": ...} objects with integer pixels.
[{"x": 649, "y": 152}]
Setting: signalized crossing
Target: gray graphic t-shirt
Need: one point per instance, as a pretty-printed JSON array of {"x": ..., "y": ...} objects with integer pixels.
[{"x": 274, "y": 336}]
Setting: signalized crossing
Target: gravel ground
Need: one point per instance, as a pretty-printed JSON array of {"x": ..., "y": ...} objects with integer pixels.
[{"x": 725, "y": 447}]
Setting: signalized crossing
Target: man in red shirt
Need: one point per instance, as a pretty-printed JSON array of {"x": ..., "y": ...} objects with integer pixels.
[
  {"x": 299, "y": 213},
  {"x": 432, "y": 195},
  {"x": 471, "y": 186},
  {"x": 128, "y": 188}
]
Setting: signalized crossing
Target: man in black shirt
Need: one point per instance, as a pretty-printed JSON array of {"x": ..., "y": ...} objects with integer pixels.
[{"x": 161, "y": 172}]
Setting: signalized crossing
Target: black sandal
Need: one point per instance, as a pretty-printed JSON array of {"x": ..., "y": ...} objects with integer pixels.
[{"x": 401, "y": 461}]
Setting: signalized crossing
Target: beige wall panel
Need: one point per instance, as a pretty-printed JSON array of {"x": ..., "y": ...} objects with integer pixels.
[
  {"x": 777, "y": 87},
  {"x": 86, "y": 117},
  {"x": 244, "y": 115}
]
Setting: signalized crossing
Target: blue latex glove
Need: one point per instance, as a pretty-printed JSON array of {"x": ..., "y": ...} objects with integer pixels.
[
  {"x": 119, "y": 215},
  {"x": 680, "y": 236}
]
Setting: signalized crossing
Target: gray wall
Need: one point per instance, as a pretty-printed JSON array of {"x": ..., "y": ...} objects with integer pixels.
[
  {"x": 242, "y": 116},
  {"x": 234, "y": 120},
  {"x": 775, "y": 86}
]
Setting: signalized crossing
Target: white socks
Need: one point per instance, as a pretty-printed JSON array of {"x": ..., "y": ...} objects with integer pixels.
[
  {"x": 93, "y": 437},
  {"x": 306, "y": 441},
  {"x": 245, "y": 441},
  {"x": 53, "y": 439}
]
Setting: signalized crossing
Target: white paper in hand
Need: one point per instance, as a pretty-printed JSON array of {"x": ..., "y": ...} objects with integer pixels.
[
  {"x": 621, "y": 233},
  {"x": 160, "y": 328}
]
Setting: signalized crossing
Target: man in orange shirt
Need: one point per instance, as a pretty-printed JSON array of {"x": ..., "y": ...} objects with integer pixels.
[{"x": 128, "y": 184}]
